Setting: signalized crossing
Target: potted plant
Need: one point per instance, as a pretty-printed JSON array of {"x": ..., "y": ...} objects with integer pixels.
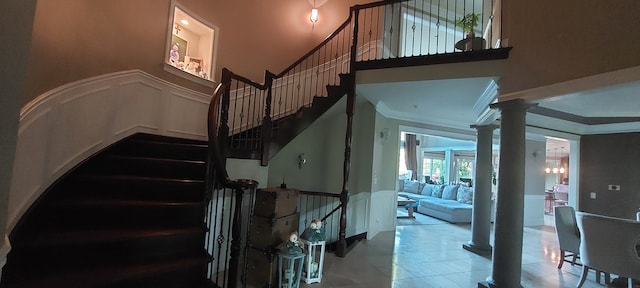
[{"x": 467, "y": 23}]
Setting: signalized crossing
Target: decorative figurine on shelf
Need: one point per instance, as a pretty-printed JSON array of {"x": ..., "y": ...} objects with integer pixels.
[
  {"x": 315, "y": 232},
  {"x": 174, "y": 55},
  {"x": 293, "y": 245}
]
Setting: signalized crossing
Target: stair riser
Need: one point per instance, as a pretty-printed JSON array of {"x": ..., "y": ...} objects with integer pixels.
[
  {"x": 65, "y": 218},
  {"x": 164, "y": 150},
  {"x": 132, "y": 189},
  {"x": 161, "y": 168}
]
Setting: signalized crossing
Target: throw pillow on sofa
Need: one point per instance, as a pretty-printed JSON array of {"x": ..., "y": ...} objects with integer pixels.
[
  {"x": 449, "y": 192},
  {"x": 465, "y": 195},
  {"x": 426, "y": 190},
  {"x": 412, "y": 187},
  {"x": 437, "y": 191}
]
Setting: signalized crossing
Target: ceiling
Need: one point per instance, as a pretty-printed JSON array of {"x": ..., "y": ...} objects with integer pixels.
[{"x": 449, "y": 103}]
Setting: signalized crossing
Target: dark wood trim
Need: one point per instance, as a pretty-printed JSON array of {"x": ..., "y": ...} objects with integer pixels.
[
  {"x": 445, "y": 58},
  {"x": 324, "y": 194}
]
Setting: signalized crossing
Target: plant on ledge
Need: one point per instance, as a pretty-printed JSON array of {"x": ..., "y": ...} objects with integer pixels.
[{"x": 467, "y": 23}]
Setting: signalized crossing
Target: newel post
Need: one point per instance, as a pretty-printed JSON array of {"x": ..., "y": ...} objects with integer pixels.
[
  {"x": 341, "y": 247},
  {"x": 267, "y": 124},
  {"x": 223, "y": 131}
]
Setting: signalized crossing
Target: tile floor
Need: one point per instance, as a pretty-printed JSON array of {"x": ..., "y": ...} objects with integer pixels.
[{"x": 427, "y": 252}]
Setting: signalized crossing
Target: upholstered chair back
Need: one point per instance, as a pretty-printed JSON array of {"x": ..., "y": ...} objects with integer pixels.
[
  {"x": 567, "y": 229},
  {"x": 610, "y": 244}
]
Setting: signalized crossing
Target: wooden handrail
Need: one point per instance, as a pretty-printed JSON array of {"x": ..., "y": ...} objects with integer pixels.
[
  {"x": 214, "y": 156},
  {"x": 243, "y": 79},
  {"x": 323, "y": 194},
  {"x": 318, "y": 47}
]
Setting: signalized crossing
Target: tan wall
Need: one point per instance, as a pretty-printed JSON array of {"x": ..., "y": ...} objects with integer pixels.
[
  {"x": 76, "y": 39},
  {"x": 556, "y": 41}
]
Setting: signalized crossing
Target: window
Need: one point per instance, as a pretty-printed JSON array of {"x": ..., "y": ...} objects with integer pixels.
[
  {"x": 191, "y": 46},
  {"x": 433, "y": 166}
]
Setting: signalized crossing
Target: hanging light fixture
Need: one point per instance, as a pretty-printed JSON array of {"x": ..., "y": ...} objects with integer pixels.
[
  {"x": 555, "y": 169},
  {"x": 561, "y": 154},
  {"x": 314, "y": 13},
  {"x": 547, "y": 170}
]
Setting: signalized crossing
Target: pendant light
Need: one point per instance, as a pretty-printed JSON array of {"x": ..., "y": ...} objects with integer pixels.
[
  {"x": 562, "y": 168},
  {"x": 547, "y": 170},
  {"x": 555, "y": 169}
]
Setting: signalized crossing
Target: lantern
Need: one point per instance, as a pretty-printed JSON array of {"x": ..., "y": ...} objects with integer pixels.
[
  {"x": 314, "y": 261},
  {"x": 289, "y": 269}
]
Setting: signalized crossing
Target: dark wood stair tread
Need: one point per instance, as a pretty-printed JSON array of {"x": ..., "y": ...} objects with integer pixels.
[
  {"x": 109, "y": 235},
  {"x": 140, "y": 178},
  {"x": 111, "y": 275},
  {"x": 118, "y": 202}
]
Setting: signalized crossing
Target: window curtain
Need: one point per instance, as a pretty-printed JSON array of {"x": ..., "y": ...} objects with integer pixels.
[{"x": 411, "y": 159}]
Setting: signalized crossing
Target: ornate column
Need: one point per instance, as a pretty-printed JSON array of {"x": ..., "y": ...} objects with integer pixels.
[
  {"x": 481, "y": 221},
  {"x": 507, "y": 251}
]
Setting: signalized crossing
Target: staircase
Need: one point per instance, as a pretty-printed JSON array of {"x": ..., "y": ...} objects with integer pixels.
[
  {"x": 246, "y": 145},
  {"x": 131, "y": 216}
]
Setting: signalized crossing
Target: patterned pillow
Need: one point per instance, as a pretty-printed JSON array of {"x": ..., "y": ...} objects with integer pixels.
[
  {"x": 450, "y": 192},
  {"x": 437, "y": 191},
  {"x": 465, "y": 195}
]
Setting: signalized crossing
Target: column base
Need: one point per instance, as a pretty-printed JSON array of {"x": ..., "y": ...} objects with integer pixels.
[
  {"x": 489, "y": 283},
  {"x": 477, "y": 249}
]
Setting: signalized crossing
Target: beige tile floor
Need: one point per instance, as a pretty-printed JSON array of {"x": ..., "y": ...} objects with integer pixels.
[{"x": 428, "y": 253}]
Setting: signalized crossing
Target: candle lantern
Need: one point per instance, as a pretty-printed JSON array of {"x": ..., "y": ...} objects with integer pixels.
[
  {"x": 289, "y": 269},
  {"x": 313, "y": 263},
  {"x": 314, "y": 239},
  {"x": 290, "y": 262}
]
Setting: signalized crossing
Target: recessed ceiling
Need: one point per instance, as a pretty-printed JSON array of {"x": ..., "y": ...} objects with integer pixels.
[
  {"x": 449, "y": 103},
  {"x": 440, "y": 102}
]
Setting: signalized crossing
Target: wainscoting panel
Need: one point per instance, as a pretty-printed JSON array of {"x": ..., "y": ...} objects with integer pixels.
[
  {"x": 357, "y": 213},
  {"x": 184, "y": 106},
  {"x": 533, "y": 210},
  {"x": 68, "y": 124},
  {"x": 132, "y": 98}
]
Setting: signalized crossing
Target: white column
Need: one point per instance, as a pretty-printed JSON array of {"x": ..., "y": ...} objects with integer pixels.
[
  {"x": 507, "y": 251},
  {"x": 481, "y": 221}
]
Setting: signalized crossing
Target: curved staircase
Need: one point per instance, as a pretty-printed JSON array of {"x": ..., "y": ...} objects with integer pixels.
[{"x": 131, "y": 216}]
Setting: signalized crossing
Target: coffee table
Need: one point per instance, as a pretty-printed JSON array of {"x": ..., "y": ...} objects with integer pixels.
[{"x": 402, "y": 201}]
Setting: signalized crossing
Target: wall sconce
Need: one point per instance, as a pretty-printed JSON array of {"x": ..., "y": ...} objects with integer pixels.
[{"x": 301, "y": 160}]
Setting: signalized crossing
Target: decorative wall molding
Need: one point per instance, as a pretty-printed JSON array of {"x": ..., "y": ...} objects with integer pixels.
[{"x": 68, "y": 124}]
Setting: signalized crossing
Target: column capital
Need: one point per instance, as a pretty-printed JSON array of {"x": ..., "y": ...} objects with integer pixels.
[
  {"x": 514, "y": 104},
  {"x": 489, "y": 127}
]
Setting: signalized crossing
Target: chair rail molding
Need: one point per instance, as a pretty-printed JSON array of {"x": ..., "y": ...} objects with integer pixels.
[{"x": 68, "y": 124}]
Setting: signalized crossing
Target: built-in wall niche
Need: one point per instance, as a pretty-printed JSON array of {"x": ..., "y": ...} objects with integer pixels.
[{"x": 191, "y": 45}]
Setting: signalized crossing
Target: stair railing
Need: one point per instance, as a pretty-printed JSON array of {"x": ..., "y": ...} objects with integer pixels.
[
  {"x": 394, "y": 29},
  {"x": 226, "y": 204},
  {"x": 320, "y": 206},
  {"x": 254, "y": 107}
]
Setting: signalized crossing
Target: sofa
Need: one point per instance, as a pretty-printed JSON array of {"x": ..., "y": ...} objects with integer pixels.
[{"x": 452, "y": 203}]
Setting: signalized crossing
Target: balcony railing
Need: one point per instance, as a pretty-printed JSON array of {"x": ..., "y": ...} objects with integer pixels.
[{"x": 424, "y": 27}]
